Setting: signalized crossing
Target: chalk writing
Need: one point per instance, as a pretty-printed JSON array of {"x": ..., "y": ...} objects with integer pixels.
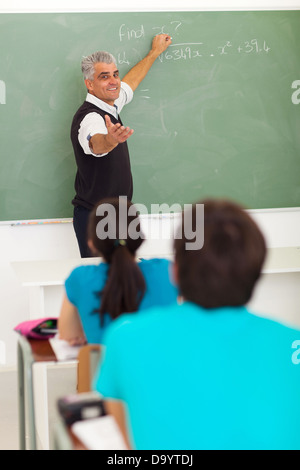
[
  {"x": 187, "y": 50},
  {"x": 2, "y": 92},
  {"x": 253, "y": 46},
  {"x": 194, "y": 50},
  {"x": 122, "y": 59},
  {"x": 224, "y": 49},
  {"x": 126, "y": 33},
  {"x": 296, "y": 94},
  {"x": 167, "y": 29},
  {"x": 182, "y": 51}
]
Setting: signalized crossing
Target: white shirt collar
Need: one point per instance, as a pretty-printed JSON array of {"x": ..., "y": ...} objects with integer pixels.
[{"x": 102, "y": 105}]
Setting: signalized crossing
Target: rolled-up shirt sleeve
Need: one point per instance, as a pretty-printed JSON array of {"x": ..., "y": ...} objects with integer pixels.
[
  {"x": 126, "y": 95},
  {"x": 91, "y": 124}
]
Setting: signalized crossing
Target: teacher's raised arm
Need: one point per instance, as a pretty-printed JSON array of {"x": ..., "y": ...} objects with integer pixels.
[{"x": 135, "y": 75}]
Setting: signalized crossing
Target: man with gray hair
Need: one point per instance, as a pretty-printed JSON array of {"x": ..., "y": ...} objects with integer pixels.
[{"x": 98, "y": 136}]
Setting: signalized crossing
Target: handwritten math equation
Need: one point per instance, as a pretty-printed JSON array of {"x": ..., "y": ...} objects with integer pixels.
[
  {"x": 188, "y": 51},
  {"x": 180, "y": 50}
]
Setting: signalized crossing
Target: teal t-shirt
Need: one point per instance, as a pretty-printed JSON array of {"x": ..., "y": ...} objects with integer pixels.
[
  {"x": 204, "y": 379},
  {"x": 85, "y": 281}
]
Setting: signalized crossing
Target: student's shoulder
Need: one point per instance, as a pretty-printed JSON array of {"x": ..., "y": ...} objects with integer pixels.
[
  {"x": 156, "y": 270},
  {"x": 274, "y": 327},
  {"x": 87, "y": 270},
  {"x": 132, "y": 323},
  {"x": 154, "y": 263}
]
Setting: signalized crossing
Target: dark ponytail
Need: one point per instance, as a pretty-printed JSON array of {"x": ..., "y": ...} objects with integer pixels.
[{"x": 125, "y": 285}]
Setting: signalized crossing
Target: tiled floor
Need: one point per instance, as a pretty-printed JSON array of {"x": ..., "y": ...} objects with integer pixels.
[{"x": 60, "y": 383}]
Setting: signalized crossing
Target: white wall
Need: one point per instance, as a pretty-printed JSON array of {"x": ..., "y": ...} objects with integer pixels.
[
  {"x": 281, "y": 228},
  {"x": 153, "y": 5}
]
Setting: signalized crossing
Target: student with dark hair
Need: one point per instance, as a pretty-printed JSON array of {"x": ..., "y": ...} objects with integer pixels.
[
  {"x": 96, "y": 294},
  {"x": 230, "y": 262},
  {"x": 206, "y": 373}
]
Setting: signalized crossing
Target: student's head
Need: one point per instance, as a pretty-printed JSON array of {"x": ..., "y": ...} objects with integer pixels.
[
  {"x": 114, "y": 233},
  {"x": 224, "y": 271},
  {"x": 101, "y": 76},
  {"x": 114, "y": 227}
]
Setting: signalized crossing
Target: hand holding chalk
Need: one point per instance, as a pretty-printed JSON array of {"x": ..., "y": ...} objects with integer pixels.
[{"x": 161, "y": 42}]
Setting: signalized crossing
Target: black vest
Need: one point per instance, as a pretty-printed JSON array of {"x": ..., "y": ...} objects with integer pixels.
[{"x": 99, "y": 177}]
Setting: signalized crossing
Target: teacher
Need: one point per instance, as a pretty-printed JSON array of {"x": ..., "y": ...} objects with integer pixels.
[{"x": 98, "y": 136}]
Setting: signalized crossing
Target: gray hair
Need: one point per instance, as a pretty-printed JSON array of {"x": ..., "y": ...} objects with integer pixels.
[{"x": 87, "y": 64}]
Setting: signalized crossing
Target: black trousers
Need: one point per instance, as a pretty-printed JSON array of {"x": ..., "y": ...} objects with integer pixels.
[{"x": 80, "y": 224}]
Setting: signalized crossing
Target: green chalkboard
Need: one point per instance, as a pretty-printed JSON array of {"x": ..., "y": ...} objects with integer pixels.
[{"x": 217, "y": 115}]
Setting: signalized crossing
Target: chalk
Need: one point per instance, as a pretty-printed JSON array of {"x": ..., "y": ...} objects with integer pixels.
[{"x": 40, "y": 222}]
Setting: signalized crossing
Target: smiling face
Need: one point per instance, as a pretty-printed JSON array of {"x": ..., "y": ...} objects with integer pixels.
[{"x": 106, "y": 83}]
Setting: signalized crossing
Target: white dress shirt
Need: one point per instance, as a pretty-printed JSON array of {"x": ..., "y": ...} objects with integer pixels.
[{"x": 93, "y": 123}]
